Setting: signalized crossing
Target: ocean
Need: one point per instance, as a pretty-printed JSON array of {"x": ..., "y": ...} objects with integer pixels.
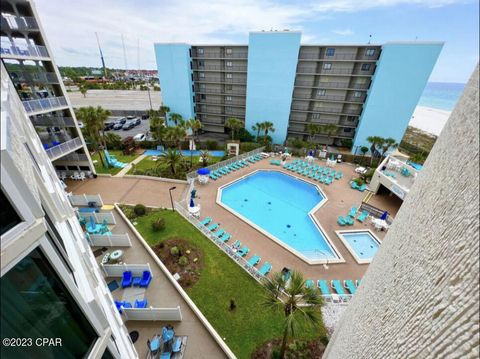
[{"x": 441, "y": 95}]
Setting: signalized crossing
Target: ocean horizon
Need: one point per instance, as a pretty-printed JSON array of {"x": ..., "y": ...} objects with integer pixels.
[{"x": 441, "y": 95}]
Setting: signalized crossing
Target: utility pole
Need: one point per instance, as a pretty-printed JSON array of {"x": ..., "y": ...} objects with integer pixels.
[
  {"x": 101, "y": 57},
  {"x": 124, "y": 54}
]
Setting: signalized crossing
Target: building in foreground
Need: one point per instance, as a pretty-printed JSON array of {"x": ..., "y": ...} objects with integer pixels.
[
  {"x": 420, "y": 295},
  {"x": 363, "y": 90},
  {"x": 51, "y": 285},
  {"x": 29, "y": 62}
]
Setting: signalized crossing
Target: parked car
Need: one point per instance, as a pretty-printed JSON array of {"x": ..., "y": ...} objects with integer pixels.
[
  {"x": 130, "y": 117},
  {"x": 122, "y": 120},
  {"x": 140, "y": 137},
  {"x": 118, "y": 125},
  {"x": 137, "y": 121},
  {"x": 145, "y": 117},
  {"x": 128, "y": 125},
  {"x": 108, "y": 125}
]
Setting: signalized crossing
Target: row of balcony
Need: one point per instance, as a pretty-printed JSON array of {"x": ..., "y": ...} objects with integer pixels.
[
  {"x": 344, "y": 57},
  {"x": 219, "y": 55},
  {"x": 45, "y": 104},
  {"x": 329, "y": 98},
  {"x": 332, "y": 85},
  {"x": 345, "y": 135},
  {"x": 312, "y": 70},
  {"x": 22, "y": 50},
  {"x": 75, "y": 157},
  {"x": 298, "y": 107},
  {"x": 53, "y": 121},
  {"x": 220, "y": 91},
  {"x": 34, "y": 77},
  {"x": 241, "y": 81},
  {"x": 323, "y": 121},
  {"x": 220, "y": 102},
  {"x": 220, "y": 68},
  {"x": 225, "y": 112},
  {"x": 11, "y": 23},
  {"x": 64, "y": 148}
]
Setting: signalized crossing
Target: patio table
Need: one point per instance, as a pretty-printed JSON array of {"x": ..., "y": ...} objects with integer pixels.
[{"x": 116, "y": 255}]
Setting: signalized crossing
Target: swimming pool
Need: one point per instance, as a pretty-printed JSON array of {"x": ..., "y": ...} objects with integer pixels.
[
  {"x": 279, "y": 205},
  {"x": 185, "y": 153},
  {"x": 362, "y": 244}
]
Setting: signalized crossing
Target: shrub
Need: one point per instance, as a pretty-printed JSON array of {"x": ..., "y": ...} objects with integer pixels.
[
  {"x": 359, "y": 181},
  {"x": 174, "y": 251},
  {"x": 211, "y": 145},
  {"x": 183, "y": 261},
  {"x": 140, "y": 209},
  {"x": 368, "y": 176},
  {"x": 297, "y": 143},
  {"x": 324, "y": 340},
  {"x": 245, "y": 136},
  {"x": 113, "y": 141},
  {"x": 158, "y": 225},
  {"x": 248, "y": 146},
  {"x": 129, "y": 213},
  {"x": 347, "y": 143},
  {"x": 233, "y": 305}
]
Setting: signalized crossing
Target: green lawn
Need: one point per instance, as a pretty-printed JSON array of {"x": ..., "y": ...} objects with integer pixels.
[
  {"x": 119, "y": 155},
  {"x": 249, "y": 325}
]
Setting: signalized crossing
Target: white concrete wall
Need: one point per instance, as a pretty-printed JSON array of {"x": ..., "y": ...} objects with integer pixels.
[{"x": 420, "y": 296}]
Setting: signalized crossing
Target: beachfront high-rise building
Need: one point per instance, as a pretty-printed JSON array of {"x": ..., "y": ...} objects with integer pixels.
[
  {"x": 363, "y": 90},
  {"x": 29, "y": 62},
  {"x": 51, "y": 285}
]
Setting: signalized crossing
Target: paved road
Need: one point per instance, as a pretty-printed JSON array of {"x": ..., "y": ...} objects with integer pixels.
[{"x": 117, "y": 99}]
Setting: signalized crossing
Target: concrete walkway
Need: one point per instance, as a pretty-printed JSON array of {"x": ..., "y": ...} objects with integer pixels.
[{"x": 127, "y": 168}]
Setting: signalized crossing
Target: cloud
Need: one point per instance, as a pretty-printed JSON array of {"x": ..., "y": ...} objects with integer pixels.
[
  {"x": 344, "y": 32},
  {"x": 144, "y": 22}
]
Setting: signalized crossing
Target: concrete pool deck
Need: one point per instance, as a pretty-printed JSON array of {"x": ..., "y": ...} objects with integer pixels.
[{"x": 340, "y": 199}]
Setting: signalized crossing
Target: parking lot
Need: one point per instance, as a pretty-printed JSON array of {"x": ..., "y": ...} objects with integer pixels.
[{"x": 142, "y": 128}]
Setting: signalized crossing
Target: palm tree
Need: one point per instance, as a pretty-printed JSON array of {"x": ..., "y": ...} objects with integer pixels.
[
  {"x": 176, "y": 118},
  {"x": 194, "y": 125},
  {"x": 204, "y": 157},
  {"x": 312, "y": 129},
  {"x": 375, "y": 141},
  {"x": 157, "y": 126},
  {"x": 176, "y": 135},
  {"x": 164, "y": 110},
  {"x": 388, "y": 143},
  {"x": 267, "y": 127},
  {"x": 299, "y": 304},
  {"x": 364, "y": 150},
  {"x": 257, "y": 128},
  {"x": 172, "y": 158},
  {"x": 329, "y": 130},
  {"x": 234, "y": 124}
]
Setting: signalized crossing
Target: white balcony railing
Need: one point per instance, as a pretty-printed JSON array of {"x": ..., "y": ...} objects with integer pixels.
[
  {"x": 44, "y": 104},
  {"x": 12, "y": 22},
  {"x": 53, "y": 121},
  {"x": 64, "y": 148},
  {"x": 22, "y": 50}
]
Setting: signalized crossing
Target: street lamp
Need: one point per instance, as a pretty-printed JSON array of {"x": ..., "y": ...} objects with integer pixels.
[
  {"x": 171, "y": 199},
  {"x": 149, "y": 98}
]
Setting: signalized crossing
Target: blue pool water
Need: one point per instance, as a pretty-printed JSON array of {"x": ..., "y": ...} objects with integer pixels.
[
  {"x": 185, "y": 153},
  {"x": 279, "y": 204},
  {"x": 363, "y": 243}
]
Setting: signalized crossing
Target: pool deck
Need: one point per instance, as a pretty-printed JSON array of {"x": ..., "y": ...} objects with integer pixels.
[{"x": 340, "y": 199}]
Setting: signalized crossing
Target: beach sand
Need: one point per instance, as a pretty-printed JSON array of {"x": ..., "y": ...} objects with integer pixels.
[{"x": 429, "y": 119}]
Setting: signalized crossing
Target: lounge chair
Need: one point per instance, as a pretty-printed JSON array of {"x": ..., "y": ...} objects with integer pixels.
[
  {"x": 358, "y": 282},
  {"x": 338, "y": 287},
  {"x": 341, "y": 221},
  {"x": 146, "y": 279},
  {"x": 219, "y": 233},
  {"x": 121, "y": 305},
  {"x": 177, "y": 345},
  {"x": 362, "y": 188},
  {"x": 363, "y": 216},
  {"x": 323, "y": 286},
  {"x": 339, "y": 175},
  {"x": 265, "y": 269},
  {"x": 244, "y": 251},
  {"x": 309, "y": 283},
  {"x": 348, "y": 283},
  {"x": 237, "y": 244},
  {"x": 354, "y": 185},
  {"x": 213, "y": 226},
  {"x": 253, "y": 261},
  {"x": 141, "y": 303},
  {"x": 349, "y": 220},
  {"x": 206, "y": 221},
  {"x": 353, "y": 212},
  {"x": 127, "y": 279},
  {"x": 226, "y": 237}
]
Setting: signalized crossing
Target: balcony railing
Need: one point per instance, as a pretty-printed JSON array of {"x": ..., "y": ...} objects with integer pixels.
[
  {"x": 219, "y": 91},
  {"x": 220, "y": 68},
  {"x": 298, "y": 107},
  {"x": 242, "y": 81},
  {"x": 10, "y": 22},
  {"x": 310, "y": 70},
  {"x": 80, "y": 157},
  {"x": 22, "y": 50},
  {"x": 53, "y": 121},
  {"x": 220, "y": 102},
  {"x": 64, "y": 148},
  {"x": 335, "y": 85},
  {"x": 239, "y": 115},
  {"x": 44, "y": 104},
  {"x": 34, "y": 77},
  {"x": 219, "y": 55},
  {"x": 326, "y": 58},
  {"x": 328, "y": 98}
]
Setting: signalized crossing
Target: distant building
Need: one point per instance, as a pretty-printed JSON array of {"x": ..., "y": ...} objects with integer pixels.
[{"x": 361, "y": 89}]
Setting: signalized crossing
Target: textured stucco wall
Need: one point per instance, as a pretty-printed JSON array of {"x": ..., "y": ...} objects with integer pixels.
[{"x": 420, "y": 296}]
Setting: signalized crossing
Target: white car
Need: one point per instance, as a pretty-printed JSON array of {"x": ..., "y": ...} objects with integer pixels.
[
  {"x": 140, "y": 137},
  {"x": 361, "y": 170}
]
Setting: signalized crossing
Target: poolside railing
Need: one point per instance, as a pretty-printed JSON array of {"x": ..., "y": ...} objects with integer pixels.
[
  {"x": 375, "y": 212},
  {"x": 192, "y": 175}
]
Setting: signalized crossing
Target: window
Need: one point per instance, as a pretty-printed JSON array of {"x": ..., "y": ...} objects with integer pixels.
[
  {"x": 228, "y": 98},
  {"x": 9, "y": 216},
  {"x": 315, "y": 116},
  {"x": 201, "y": 75},
  {"x": 202, "y": 97},
  {"x": 229, "y": 76},
  {"x": 202, "y": 86},
  {"x": 369, "y": 52},
  {"x": 351, "y": 118},
  {"x": 228, "y": 51},
  {"x": 321, "y": 92},
  {"x": 201, "y": 63},
  {"x": 200, "y": 51},
  {"x": 357, "y": 94},
  {"x": 327, "y": 66},
  {"x": 330, "y": 51},
  {"x": 347, "y": 129},
  {"x": 366, "y": 67},
  {"x": 229, "y": 64},
  {"x": 229, "y": 87},
  {"x": 31, "y": 289}
]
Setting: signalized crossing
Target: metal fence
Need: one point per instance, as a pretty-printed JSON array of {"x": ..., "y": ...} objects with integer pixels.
[
  {"x": 116, "y": 270},
  {"x": 164, "y": 314},
  {"x": 64, "y": 148},
  {"x": 110, "y": 240},
  {"x": 44, "y": 104},
  {"x": 26, "y": 50},
  {"x": 84, "y": 200},
  {"x": 375, "y": 212}
]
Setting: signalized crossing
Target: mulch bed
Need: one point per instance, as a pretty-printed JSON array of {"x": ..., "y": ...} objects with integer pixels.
[
  {"x": 312, "y": 349},
  {"x": 190, "y": 273}
]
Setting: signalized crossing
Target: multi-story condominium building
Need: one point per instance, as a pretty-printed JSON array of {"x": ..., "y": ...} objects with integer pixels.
[
  {"x": 30, "y": 64},
  {"x": 51, "y": 285},
  {"x": 363, "y": 90}
]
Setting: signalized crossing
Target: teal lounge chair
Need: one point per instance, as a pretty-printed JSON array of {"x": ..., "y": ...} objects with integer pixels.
[
  {"x": 348, "y": 283},
  {"x": 323, "y": 286},
  {"x": 265, "y": 269},
  {"x": 349, "y": 220},
  {"x": 341, "y": 221},
  {"x": 213, "y": 226},
  {"x": 339, "y": 175},
  {"x": 244, "y": 251},
  {"x": 213, "y": 177},
  {"x": 237, "y": 244},
  {"x": 354, "y": 185},
  {"x": 253, "y": 261},
  {"x": 226, "y": 237},
  {"x": 362, "y": 217},
  {"x": 362, "y": 188},
  {"x": 353, "y": 212},
  {"x": 219, "y": 233},
  {"x": 338, "y": 288},
  {"x": 309, "y": 283},
  {"x": 206, "y": 221}
]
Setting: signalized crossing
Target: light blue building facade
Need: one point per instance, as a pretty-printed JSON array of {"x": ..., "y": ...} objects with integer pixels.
[
  {"x": 364, "y": 90},
  {"x": 402, "y": 73}
]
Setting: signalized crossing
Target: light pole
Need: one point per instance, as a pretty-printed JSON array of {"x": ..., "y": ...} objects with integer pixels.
[
  {"x": 149, "y": 98},
  {"x": 171, "y": 199}
]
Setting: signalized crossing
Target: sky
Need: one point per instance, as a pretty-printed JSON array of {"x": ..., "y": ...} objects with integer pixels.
[{"x": 71, "y": 28}]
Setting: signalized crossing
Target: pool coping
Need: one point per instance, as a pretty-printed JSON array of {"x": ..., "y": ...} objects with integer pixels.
[
  {"x": 350, "y": 249},
  {"x": 339, "y": 258}
]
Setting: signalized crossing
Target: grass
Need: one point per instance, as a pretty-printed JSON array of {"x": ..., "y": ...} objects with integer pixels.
[
  {"x": 249, "y": 325},
  {"x": 119, "y": 155}
]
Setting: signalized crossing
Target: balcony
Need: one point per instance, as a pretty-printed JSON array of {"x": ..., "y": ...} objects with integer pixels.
[
  {"x": 219, "y": 55},
  {"x": 220, "y": 92},
  {"x": 34, "y": 77},
  {"x": 220, "y": 102},
  {"x": 239, "y": 115},
  {"x": 297, "y": 107},
  {"x": 310, "y": 70},
  {"x": 215, "y": 79},
  {"x": 64, "y": 148},
  {"x": 10, "y": 23},
  {"x": 327, "y": 58},
  {"x": 55, "y": 121},
  {"x": 334, "y": 98},
  {"x": 332, "y": 85},
  {"x": 9, "y": 50},
  {"x": 220, "y": 68},
  {"x": 75, "y": 157},
  {"x": 45, "y": 104}
]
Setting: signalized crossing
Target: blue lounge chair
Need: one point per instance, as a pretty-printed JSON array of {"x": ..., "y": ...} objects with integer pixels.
[
  {"x": 362, "y": 188},
  {"x": 146, "y": 279},
  {"x": 213, "y": 226},
  {"x": 341, "y": 221},
  {"x": 323, "y": 286},
  {"x": 354, "y": 185},
  {"x": 226, "y": 237},
  {"x": 243, "y": 252},
  {"x": 265, "y": 269},
  {"x": 353, "y": 212},
  {"x": 121, "y": 305},
  {"x": 237, "y": 244},
  {"x": 206, "y": 221},
  {"x": 213, "y": 177},
  {"x": 177, "y": 345},
  {"x": 127, "y": 279},
  {"x": 219, "y": 233},
  {"x": 349, "y": 220},
  {"x": 363, "y": 216},
  {"x": 348, "y": 283},
  {"x": 338, "y": 287},
  {"x": 253, "y": 261},
  {"x": 309, "y": 283},
  {"x": 339, "y": 175},
  {"x": 141, "y": 303}
]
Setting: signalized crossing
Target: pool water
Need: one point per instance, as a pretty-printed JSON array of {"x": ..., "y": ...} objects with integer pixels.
[
  {"x": 185, "y": 153},
  {"x": 279, "y": 204},
  {"x": 362, "y": 243}
]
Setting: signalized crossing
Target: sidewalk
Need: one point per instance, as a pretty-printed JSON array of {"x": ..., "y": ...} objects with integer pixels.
[{"x": 127, "y": 168}]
